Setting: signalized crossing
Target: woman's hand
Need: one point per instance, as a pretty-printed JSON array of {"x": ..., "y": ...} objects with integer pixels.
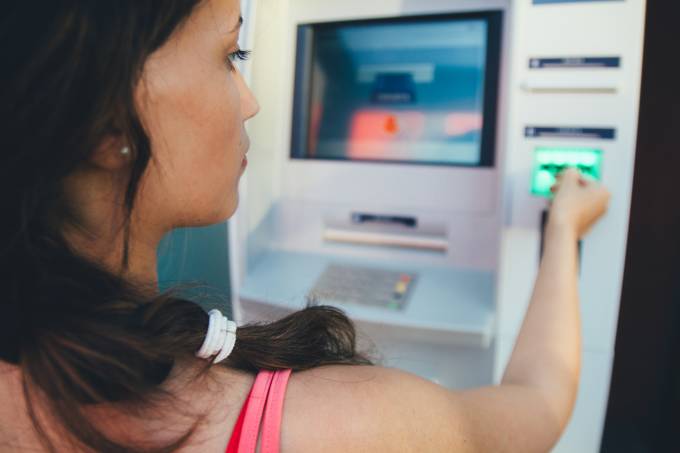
[{"x": 578, "y": 203}]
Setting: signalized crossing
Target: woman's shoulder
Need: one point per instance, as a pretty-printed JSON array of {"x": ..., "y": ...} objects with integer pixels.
[{"x": 367, "y": 408}]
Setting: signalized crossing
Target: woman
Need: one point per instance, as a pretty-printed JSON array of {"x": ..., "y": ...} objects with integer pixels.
[{"x": 122, "y": 120}]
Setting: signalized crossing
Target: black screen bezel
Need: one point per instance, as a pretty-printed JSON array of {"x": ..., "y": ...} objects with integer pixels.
[{"x": 302, "y": 98}]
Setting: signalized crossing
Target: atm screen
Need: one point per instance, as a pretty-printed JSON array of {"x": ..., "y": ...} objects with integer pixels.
[{"x": 418, "y": 90}]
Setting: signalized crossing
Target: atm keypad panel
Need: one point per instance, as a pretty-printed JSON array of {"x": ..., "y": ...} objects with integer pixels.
[{"x": 364, "y": 286}]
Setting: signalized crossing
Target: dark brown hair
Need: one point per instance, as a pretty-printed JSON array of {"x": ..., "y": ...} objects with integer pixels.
[{"x": 82, "y": 335}]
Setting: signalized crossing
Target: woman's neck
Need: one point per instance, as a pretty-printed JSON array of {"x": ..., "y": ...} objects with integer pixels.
[{"x": 106, "y": 247}]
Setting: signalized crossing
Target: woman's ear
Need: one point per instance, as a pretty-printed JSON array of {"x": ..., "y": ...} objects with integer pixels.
[{"x": 112, "y": 154}]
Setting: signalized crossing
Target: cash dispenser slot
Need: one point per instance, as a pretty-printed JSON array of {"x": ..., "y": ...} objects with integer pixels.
[{"x": 367, "y": 228}]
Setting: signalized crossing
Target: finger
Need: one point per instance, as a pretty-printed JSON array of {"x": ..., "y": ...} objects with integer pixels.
[
  {"x": 568, "y": 174},
  {"x": 572, "y": 174}
]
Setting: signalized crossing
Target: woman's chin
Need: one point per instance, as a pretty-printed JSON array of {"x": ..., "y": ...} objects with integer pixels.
[
  {"x": 230, "y": 209},
  {"x": 218, "y": 216}
]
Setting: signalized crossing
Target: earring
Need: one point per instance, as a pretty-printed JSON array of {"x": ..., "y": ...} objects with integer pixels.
[{"x": 125, "y": 151}]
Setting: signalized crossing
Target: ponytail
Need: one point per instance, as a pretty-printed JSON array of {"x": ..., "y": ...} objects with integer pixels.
[{"x": 96, "y": 340}]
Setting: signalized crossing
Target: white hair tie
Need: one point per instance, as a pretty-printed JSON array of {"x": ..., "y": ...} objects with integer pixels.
[{"x": 220, "y": 338}]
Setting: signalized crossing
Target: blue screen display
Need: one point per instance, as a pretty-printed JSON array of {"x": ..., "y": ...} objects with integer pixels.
[{"x": 412, "y": 91}]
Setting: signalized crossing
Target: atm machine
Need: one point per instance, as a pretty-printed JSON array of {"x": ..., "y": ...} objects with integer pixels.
[{"x": 400, "y": 168}]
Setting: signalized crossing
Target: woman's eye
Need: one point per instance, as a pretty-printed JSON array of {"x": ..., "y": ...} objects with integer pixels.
[{"x": 241, "y": 55}]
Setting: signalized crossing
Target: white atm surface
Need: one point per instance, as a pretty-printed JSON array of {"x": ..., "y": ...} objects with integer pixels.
[{"x": 400, "y": 165}]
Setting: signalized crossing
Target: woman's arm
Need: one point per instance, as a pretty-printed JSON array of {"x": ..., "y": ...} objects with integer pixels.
[
  {"x": 529, "y": 410},
  {"x": 535, "y": 399},
  {"x": 547, "y": 355}
]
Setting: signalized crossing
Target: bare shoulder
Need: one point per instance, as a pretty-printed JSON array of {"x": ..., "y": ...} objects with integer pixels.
[
  {"x": 362, "y": 408},
  {"x": 367, "y": 409}
]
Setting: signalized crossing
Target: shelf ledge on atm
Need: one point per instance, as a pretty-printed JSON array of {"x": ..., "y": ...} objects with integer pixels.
[{"x": 446, "y": 305}]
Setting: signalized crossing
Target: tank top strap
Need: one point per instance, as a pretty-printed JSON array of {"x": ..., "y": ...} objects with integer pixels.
[
  {"x": 273, "y": 413},
  {"x": 265, "y": 399},
  {"x": 247, "y": 427}
]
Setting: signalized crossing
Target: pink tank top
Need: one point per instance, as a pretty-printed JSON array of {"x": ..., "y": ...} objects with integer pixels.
[{"x": 261, "y": 413}]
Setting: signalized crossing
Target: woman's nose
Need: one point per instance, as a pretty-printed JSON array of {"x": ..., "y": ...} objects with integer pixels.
[{"x": 249, "y": 105}]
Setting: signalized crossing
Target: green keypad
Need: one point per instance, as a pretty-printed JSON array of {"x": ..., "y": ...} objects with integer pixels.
[{"x": 550, "y": 161}]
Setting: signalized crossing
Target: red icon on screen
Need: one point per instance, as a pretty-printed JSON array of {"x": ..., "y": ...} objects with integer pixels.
[{"x": 391, "y": 125}]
